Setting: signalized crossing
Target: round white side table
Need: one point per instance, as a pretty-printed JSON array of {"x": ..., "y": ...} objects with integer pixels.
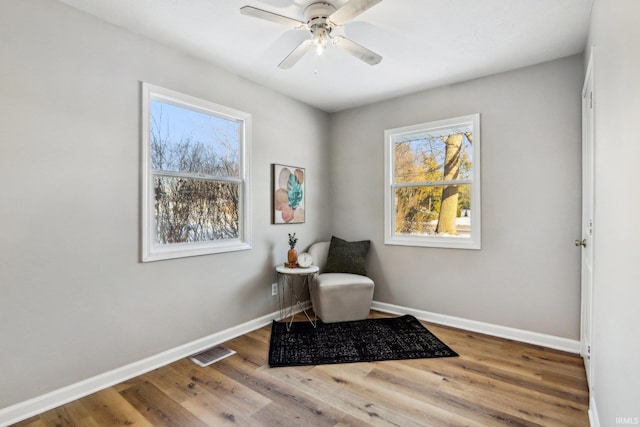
[{"x": 286, "y": 276}]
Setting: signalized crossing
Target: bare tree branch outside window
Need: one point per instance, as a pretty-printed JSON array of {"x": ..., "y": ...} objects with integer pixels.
[
  {"x": 195, "y": 163},
  {"x": 424, "y": 206}
]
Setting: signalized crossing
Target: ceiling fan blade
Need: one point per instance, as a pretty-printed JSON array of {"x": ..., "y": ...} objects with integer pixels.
[
  {"x": 273, "y": 17},
  {"x": 350, "y": 10},
  {"x": 357, "y": 50},
  {"x": 296, "y": 54}
]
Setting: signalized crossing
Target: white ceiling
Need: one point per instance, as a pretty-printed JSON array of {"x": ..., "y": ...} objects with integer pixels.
[{"x": 424, "y": 43}]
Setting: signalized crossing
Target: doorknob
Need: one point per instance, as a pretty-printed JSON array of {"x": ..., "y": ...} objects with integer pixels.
[{"x": 582, "y": 243}]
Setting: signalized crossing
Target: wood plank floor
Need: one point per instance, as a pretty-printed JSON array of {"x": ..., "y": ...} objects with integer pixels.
[{"x": 493, "y": 382}]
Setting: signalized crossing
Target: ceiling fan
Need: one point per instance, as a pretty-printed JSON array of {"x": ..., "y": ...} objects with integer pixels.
[{"x": 321, "y": 19}]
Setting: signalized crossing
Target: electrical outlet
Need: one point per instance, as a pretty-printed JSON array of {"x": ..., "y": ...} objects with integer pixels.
[{"x": 274, "y": 289}]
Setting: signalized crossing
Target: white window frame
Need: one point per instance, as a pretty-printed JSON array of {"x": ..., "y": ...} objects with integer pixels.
[
  {"x": 391, "y": 237},
  {"x": 151, "y": 251}
]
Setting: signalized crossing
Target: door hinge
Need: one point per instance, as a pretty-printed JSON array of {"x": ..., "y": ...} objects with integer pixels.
[{"x": 591, "y": 100}]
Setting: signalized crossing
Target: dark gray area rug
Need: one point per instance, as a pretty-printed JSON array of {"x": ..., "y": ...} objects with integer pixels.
[{"x": 369, "y": 340}]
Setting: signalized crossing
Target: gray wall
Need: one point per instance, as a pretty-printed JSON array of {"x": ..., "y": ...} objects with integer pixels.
[
  {"x": 74, "y": 300},
  {"x": 527, "y": 274},
  {"x": 615, "y": 34}
]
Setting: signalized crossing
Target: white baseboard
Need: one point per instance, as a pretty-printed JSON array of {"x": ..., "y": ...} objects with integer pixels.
[
  {"x": 550, "y": 341},
  {"x": 594, "y": 421},
  {"x": 23, "y": 410}
]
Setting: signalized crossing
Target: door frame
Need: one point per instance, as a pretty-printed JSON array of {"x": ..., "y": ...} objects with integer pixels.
[{"x": 587, "y": 228}]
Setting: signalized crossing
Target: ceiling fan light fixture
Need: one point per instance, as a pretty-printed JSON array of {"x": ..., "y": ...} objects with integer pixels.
[{"x": 320, "y": 39}]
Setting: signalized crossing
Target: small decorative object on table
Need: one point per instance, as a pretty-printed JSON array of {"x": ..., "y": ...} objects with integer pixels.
[
  {"x": 304, "y": 260},
  {"x": 292, "y": 255}
]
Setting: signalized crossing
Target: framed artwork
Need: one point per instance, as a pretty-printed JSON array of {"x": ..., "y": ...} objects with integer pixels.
[{"x": 288, "y": 194}]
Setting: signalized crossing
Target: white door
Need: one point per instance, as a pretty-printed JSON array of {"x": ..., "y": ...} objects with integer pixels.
[{"x": 586, "y": 240}]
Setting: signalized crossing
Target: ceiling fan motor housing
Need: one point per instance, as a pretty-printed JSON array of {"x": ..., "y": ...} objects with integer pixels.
[{"x": 317, "y": 15}]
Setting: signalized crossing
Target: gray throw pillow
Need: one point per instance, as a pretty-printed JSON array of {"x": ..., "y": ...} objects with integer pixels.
[{"x": 347, "y": 257}]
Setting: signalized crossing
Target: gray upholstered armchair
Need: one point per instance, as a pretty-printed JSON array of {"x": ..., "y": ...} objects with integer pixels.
[{"x": 338, "y": 296}]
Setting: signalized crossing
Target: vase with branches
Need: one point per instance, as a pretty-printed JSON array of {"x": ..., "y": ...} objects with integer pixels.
[{"x": 292, "y": 254}]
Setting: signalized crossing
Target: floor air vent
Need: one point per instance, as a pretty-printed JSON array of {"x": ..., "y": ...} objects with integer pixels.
[{"x": 211, "y": 355}]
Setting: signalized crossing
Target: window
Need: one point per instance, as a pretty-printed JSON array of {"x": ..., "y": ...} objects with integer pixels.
[
  {"x": 432, "y": 184},
  {"x": 195, "y": 176}
]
